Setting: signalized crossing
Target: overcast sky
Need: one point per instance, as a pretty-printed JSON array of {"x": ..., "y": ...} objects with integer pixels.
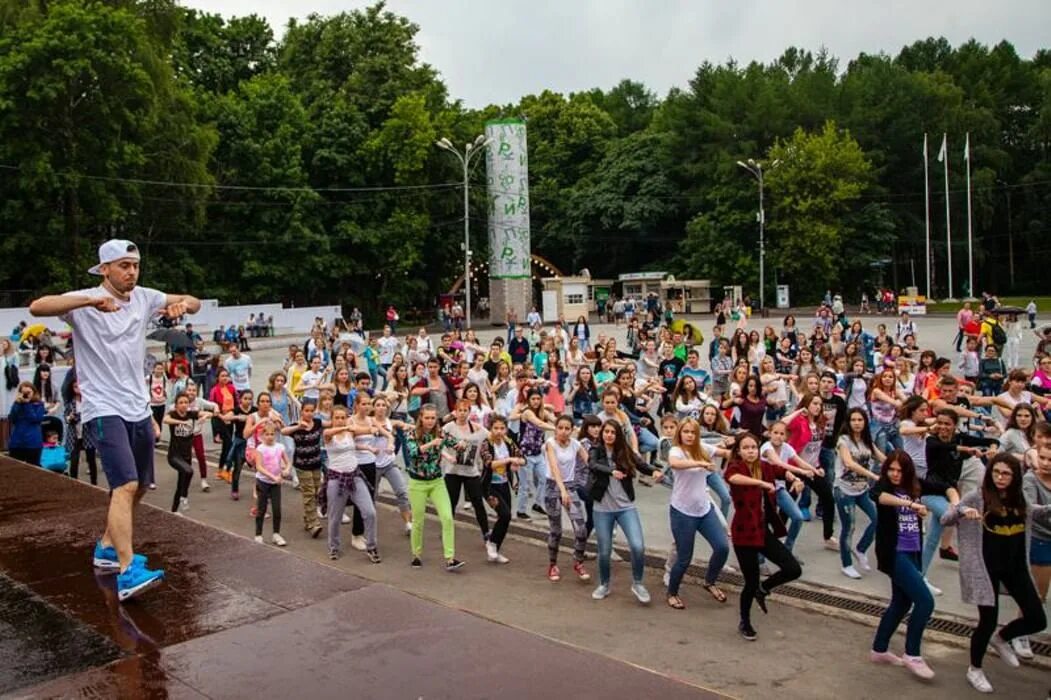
[{"x": 495, "y": 51}]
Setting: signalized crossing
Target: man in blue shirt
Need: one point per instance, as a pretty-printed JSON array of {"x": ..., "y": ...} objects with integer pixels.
[{"x": 693, "y": 368}]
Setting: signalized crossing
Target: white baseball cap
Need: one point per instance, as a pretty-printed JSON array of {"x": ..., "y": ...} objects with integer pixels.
[{"x": 113, "y": 250}]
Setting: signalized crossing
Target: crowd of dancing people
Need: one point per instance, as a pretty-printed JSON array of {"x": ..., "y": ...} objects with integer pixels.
[{"x": 893, "y": 451}]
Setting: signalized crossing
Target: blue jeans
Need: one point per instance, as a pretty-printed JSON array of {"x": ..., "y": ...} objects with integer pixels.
[
  {"x": 845, "y": 505},
  {"x": 907, "y": 591},
  {"x": 788, "y": 504},
  {"x": 937, "y": 505},
  {"x": 532, "y": 479},
  {"x": 648, "y": 442},
  {"x": 886, "y": 437},
  {"x": 631, "y": 526},
  {"x": 684, "y": 529}
]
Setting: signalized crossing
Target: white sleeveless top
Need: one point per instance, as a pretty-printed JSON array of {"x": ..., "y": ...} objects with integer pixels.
[{"x": 341, "y": 454}]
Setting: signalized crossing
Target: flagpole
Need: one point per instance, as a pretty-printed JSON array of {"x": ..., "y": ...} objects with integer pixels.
[
  {"x": 927, "y": 213},
  {"x": 970, "y": 251},
  {"x": 948, "y": 225}
]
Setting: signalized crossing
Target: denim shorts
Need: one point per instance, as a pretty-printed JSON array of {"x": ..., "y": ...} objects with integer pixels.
[
  {"x": 125, "y": 449},
  {"x": 1039, "y": 552}
]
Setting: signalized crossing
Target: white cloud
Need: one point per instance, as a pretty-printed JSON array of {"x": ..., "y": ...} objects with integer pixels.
[{"x": 497, "y": 51}]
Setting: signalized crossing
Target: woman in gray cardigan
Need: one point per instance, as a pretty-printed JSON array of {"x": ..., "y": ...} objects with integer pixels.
[{"x": 994, "y": 525}]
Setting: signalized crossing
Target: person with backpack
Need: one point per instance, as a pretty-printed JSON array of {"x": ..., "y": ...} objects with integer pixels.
[{"x": 992, "y": 333}]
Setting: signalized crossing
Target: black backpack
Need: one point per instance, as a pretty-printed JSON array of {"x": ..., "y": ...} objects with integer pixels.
[
  {"x": 11, "y": 376},
  {"x": 998, "y": 333}
]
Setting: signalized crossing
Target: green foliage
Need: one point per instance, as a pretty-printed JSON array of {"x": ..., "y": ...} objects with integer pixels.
[{"x": 305, "y": 170}]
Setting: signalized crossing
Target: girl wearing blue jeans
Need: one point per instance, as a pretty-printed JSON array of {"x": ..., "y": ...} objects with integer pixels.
[
  {"x": 778, "y": 452},
  {"x": 855, "y": 457},
  {"x": 611, "y": 484},
  {"x": 691, "y": 511},
  {"x": 899, "y": 537},
  {"x": 532, "y": 477}
]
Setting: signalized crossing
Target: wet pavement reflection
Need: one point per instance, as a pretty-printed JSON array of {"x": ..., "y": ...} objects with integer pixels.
[{"x": 237, "y": 620}]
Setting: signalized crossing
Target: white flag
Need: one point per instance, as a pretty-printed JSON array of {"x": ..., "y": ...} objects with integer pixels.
[
  {"x": 941, "y": 151},
  {"x": 967, "y": 147}
]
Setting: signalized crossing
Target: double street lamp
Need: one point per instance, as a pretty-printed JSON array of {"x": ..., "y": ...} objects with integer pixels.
[
  {"x": 756, "y": 169},
  {"x": 469, "y": 152}
]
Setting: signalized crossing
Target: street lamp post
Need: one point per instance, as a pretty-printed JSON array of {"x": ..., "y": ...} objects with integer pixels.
[
  {"x": 469, "y": 151},
  {"x": 756, "y": 169}
]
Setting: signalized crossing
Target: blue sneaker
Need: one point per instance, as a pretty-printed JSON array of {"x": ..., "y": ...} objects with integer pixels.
[
  {"x": 137, "y": 580},
  {"x": 106, "y": 559},
  {"x": 806, "y": 514}
]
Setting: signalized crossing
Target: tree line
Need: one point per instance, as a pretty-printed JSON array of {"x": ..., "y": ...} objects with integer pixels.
[{"x": 305, "y": 170}]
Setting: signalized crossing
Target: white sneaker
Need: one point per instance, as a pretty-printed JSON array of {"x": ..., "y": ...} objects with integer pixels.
[
  {"x": 641, "y": 593},
  {"x": 491, "y": 553},
  {"x": 184, "y": 505},
  {"x": 278, "y": 540},
  {"x": 601, "y": 592},
  {"x": 204, "y": 486},
  {"x": 358, "y": 543},
  {"x": 932, "y": 588},
  {"x": 501, "y": 559},
  {"x": 408, "y": 529},
  {"x": 345, "y": 519},
  {"x": 615, "y": 557},
  {"x": 320, "y": 514},
  {"x": 1021, "y": 647},
  {"x": 863, "y": 560},
  {"x": 832, "y": 544},
  {"x": 258, "y": 539},
  {"x": 468, "y": 506},
  {"x": 1007, "y": 654},
  {"x": 976, "y": 677},
  {"x": 850, "y": 572}
]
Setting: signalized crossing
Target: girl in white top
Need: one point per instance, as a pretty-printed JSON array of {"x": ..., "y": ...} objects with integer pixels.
[
  {"x": 344, "y": 482},
  {"x": 386, "y": 468},
  {"x": 914, "y": 428},
  {"x": 480, "y": 409},
  {"x": 774, "y": 388},
  {"x": 479, "y": 377},
  {"x": 691, "y": 511},
  {"x": 563, "y": 453}
]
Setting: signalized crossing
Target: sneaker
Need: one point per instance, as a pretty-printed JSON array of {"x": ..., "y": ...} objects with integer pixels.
[
  {"x": 491, "y": 553},
  {"x": 747, "y": 631},
  {"x": 1021, "y": 647},
  {"x": 184, "y": 505},
  {"x": 501, "y": 559},
  {"x": 850, "y": 572},
  {"x": 613, "y": 556},
  {"x": 358, "y": 543},
  {"x": 408, "y": 529},
  {"x": 278, "y": 540},
  {"x": 136, "y": 580},
  {"x": 345, "y": 519},
  {"x": 258, "y": 539},
  {"x": 333, "y": 554},
  {"x": 320, "y": 515},
  {"x": 153, "y": 487},
  {"x": 204, "y": 486},
  {"x": 234, "y": 496},
  {"x": 416, "y": 563},
  {"x": 917, "y": 666},
  {"x": 105, "y": 559},
  {"x": 601, "y": 592},
  {"x": 590, "y": 556},
  {"x": 1003, "y": 648},
  {"x": 641, "y": 593},
  {"x": 522, "y": 516},
  {"x": 806, "y": 514},
  {"x": 976, "y": 677},
  {"x": 832, "y": 544},
  {"x": 580, "y": 571},
  {"x": 950, "y": 554},
  {"x": 315, "y": 531},
  {"x": 932, "y": 588},
  {"x": 538, "y": 509},
  {"x": 374, "y": 555},
  {"x": 454, "y": 565},
  {"x": 553, "y": 574},
  {"x": 863, "y": 560},
  {"x": 468, "y": 506},
  {"x": 885, "y": 657}
]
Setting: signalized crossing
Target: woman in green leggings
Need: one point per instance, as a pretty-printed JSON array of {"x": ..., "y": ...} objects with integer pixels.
[{"x": 426, "y": 482}]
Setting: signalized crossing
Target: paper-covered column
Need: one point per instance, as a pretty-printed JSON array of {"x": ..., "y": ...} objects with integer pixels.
[{"x": 510, "y": 261}]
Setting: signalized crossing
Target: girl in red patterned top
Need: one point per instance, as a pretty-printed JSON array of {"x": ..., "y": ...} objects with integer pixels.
[{"x": 756, "y": 526}]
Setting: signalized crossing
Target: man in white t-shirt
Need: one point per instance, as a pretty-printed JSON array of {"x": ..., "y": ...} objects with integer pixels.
[
  {"x": 310, "y": 382},
  {"x": 239, "y": 365},
  {"x": 109, "y": 333},
  {"x": 388, "y": 347}
]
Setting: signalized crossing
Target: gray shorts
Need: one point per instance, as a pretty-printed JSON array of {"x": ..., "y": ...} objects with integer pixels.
[{"x": 125, "y": 449}]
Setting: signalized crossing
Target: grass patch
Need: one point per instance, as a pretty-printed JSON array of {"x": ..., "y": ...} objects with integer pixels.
[{"x": 1043, "y": 305}]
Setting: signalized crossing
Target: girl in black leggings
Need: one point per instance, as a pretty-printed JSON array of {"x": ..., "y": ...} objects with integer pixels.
[
  {"x": 992, "y": 535},
  {"x": 500, "y": 457},
  {"x": 180, "y": 447}
]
